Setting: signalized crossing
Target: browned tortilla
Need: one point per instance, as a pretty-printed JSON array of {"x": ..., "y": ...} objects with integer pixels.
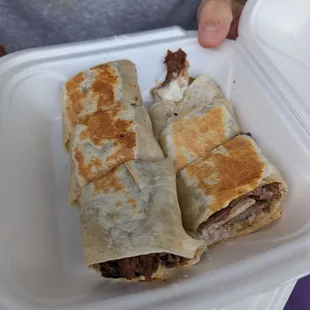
[
  {"x": 230, "y": 190},
  {"x": 100, "y": 88}
]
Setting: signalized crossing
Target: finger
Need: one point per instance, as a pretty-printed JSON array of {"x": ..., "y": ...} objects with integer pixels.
[{"x": 214, "y": 21}]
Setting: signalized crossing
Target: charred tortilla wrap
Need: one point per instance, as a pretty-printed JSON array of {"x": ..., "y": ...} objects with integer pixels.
[
  {"x": 100, "y": 88},
  {"x": 131, "y": 223},
  {"x": 199, "y": 131},
  {"x": 230, "y": 192},
  {"x": 109, "y": 138}
]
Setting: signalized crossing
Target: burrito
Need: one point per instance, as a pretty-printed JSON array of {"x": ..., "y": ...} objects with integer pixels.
[
  {"x": 202, "y": 120},
  {"x": 131, "y": 223},
  {"x": 230, "y": 192},
  {"x": 108, "y": 138},
  {"x": 100, "y": 88},
  {"x": 179, "y": 94},
  {"x": 104, "y": 123}
]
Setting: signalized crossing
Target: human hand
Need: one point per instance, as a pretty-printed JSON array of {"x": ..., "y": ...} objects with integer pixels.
[{"x": 217, "y": 20}]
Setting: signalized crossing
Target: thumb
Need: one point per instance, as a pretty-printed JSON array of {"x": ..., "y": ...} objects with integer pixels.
[{"x": 214, "y": 21}]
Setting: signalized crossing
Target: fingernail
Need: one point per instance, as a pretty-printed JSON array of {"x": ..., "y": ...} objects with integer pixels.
[{"x": 210, "y": 32}]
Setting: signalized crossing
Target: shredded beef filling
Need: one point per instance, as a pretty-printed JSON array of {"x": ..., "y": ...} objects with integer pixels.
[
  {"x": 242, "y": 210},
  {"x": 175, "y": 63},
  {"x": 143, "y": 265}
]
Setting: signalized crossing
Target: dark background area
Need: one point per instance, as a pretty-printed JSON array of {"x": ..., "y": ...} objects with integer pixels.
[{"x": 300, "y": 297}]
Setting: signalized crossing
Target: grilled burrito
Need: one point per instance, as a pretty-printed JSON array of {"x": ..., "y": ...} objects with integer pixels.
[
  {"x": 104, "y": 123},
  {"x": 131, "y": 223},
  {"x": 100, "y": 88},
  {"x": 230, "y": 192},
  {"x": 202, "y": 120}
]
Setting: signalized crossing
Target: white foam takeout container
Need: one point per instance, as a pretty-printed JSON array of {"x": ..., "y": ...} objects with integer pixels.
[
  {"x": 265, "y": 73},
  {"x": 274, "y": 299}
]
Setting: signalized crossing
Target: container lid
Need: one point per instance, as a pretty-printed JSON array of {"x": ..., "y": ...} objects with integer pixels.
[{"x": 276, "y": 34}]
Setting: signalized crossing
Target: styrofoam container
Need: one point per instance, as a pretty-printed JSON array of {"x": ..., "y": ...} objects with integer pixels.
[
  {"x": 274, "y": 299},
  {"x": 265, "y": 73}
]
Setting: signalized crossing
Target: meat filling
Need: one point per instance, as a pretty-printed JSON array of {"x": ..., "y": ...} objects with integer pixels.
[
  {"x": 143, "y": 265},
  {"x": 175, "y": 63},
  {"x": 240, "y": 213}
]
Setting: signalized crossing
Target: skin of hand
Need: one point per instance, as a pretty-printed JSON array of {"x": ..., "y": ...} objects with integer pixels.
[{"x": 217, "y": 20}]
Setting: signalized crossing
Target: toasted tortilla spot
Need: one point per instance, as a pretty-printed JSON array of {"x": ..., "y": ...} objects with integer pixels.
[
  {"x": 74, "y": 102},
  {"x": 86, "y": 171},
  {"x": 104, "y": 85},
  {"x": 121, "y": 156},
  {"x": 239, "y": 170},
  {"x": 104, "y": 130},
  {"x": 214, "y": 118},
  {"x": 74, "y": 92},
  {"x": 81, "y": 97},
  {"x": 196, "y": 135},
  {"x": 108, "y": 182},
  {"x": 105, "y": 125},
  {"x": 132, "y": 202}
]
